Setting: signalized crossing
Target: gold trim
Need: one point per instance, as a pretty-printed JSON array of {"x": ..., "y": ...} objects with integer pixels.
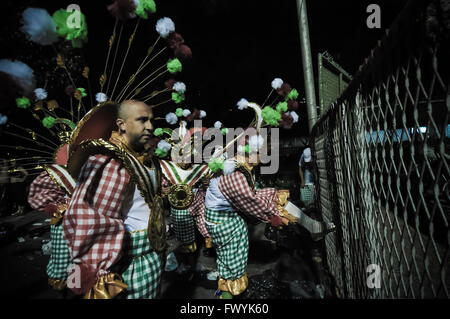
[
  {"x": 137, "y": 231},
  {"x": 50, "y": 173},
  {"x": 235, "y": 287},
  {"x": 208, "y": 242},
  {"x": 107, "y": 287},
  {"x": 81, "y": 123},
  {"x": 175, "y": 201},
  {"x": 189, "y": 248},
  {"x": 57, "y": 284}
]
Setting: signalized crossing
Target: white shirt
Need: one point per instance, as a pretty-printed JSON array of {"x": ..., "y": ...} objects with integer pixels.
[{"x": 214, "y": 198}]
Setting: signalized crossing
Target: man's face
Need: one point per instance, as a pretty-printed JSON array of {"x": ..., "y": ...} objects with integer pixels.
[{"x": 136, "y": 125}]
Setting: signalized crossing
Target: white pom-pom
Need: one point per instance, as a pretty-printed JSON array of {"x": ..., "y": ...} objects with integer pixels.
[
  {"x": 294, "y": 116},
  {"x": 256, "y": 142},
  {"x": 39, "y": 26},
  {"x": 186, "y": 112},
  {"x": 164, "y": 145},
  {"x": 165, "y": 26},
  {"x": 171, "y": 118},
  {"x": 218, "y": 125},
  {"x": 179, "y": 87},
  {"x": 229, "y": 166},
  {"x": 277, "y": 83},
  {"x": 242, "y": 104},
  {"x": 21, "y": 72},
  {"x": 101, "y": 97},
  {"x": 241, "y": 149},
  {"x": 202, "y": 114},
  {"x": 3, "y": 119},
  {"x": 40, "y": 94}
]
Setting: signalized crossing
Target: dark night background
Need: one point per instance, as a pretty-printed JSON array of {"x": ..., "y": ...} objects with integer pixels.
[{"x": 238, "y": 47}]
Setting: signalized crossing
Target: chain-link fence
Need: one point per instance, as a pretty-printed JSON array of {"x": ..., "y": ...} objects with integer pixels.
[{"x": 382, "y": 164}]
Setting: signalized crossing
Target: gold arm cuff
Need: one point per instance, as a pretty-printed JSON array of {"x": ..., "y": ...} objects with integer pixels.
[
  {"x": 107, "y": 287},
  {"x": 235, "y": 287},
  {"x": 57, "y": 284},
  {"x": 189, "y": 248},
  {"x": 281, "y": 200},
  {"x": 208, "y": 242}
]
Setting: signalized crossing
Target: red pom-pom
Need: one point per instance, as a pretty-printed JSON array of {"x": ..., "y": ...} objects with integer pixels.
[
  {"x": 183, "y": 53},
  {"x": 122, "y": 9},
  {"x": 193, "y": 116},
  {"x": 292, "y": 105},
  {"x": 69, "y": 90},
  {"x": 284, "y": 89},
  {"x": 174, "y": 40},
  {"x": 169, "y": 83},
  {"x": 286, "y": 121}
]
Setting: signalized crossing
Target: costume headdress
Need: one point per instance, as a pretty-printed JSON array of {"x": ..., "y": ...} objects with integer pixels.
[{"x": 90, "y": 110}]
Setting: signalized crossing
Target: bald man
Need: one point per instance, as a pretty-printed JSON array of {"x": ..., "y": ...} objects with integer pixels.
[{"x": 114, "y": 224}]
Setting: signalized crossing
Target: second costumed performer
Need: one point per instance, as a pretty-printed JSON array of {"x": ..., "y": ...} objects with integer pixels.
[{"x": 231, "y": 192}]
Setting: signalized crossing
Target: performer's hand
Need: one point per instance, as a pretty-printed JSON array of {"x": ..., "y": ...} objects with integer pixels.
[{"x": 276, "y": 221}]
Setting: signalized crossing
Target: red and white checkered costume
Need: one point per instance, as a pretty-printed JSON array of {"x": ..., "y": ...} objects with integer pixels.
[
  {"x": 238, "y": 192},
  {"x": 44, "y": 192},
  {"x": 92, "y": 225},
  {"x": 197, "y": 210}
]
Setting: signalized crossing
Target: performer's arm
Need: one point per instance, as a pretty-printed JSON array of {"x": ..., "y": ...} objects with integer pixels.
[
  {"x": 44, "y": 192},
  {"x": 238, "y": 192},
  {"x": 93, "y": 226}
]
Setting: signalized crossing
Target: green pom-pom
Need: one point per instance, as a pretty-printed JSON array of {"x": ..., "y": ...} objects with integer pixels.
[
  {"x": 270, "y": 116},
  {"x": 292, "y": 95},
  {"x": 82, "y": 91},
  {"x": 178, "y": 98},
  {"x": 174, "y": 66},
  {"x": 247, "y": 149},
  {"x": 224, "y": 131},
  {"x": 71, "y": 26},
  {"x": 159, "y": 131},
  {"x": 282, "y": 107},
  {"x": 161, "y": 153},
  {"x": 179, "y": 112},
  {"x": 145, "y": 7},
  {"x": 48, "y": 121},
  {"x": 216, "y": 165},
  {"x": 23, "y": 102}
]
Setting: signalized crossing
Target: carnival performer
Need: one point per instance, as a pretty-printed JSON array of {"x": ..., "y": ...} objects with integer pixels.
[
  {"x": 229, "y": 194},
  {"x": 187, "y": 193},
  {"x": 50, "y": 192},
  {"x": 114, "y": 224}
]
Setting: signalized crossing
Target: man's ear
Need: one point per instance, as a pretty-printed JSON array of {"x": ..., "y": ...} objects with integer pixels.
[{"x": 121, "y": 124}]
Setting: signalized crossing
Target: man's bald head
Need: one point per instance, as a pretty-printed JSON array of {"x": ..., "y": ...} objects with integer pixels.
[{"x": 127, "y": 107}]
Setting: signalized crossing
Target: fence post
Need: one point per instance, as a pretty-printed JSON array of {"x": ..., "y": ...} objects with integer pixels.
[{"x": 308, "y": 73}]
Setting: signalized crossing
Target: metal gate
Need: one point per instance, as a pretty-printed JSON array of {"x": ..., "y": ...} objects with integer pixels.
[{"x": 382, "y": 164}]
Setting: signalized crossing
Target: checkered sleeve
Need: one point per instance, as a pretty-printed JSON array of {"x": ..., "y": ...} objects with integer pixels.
[
  {"x": 43, "y": 191},
  {"x": 92, "y": 225},
  {"x": 197, "y": 210},
  {"x": 238, "y": 192}
]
